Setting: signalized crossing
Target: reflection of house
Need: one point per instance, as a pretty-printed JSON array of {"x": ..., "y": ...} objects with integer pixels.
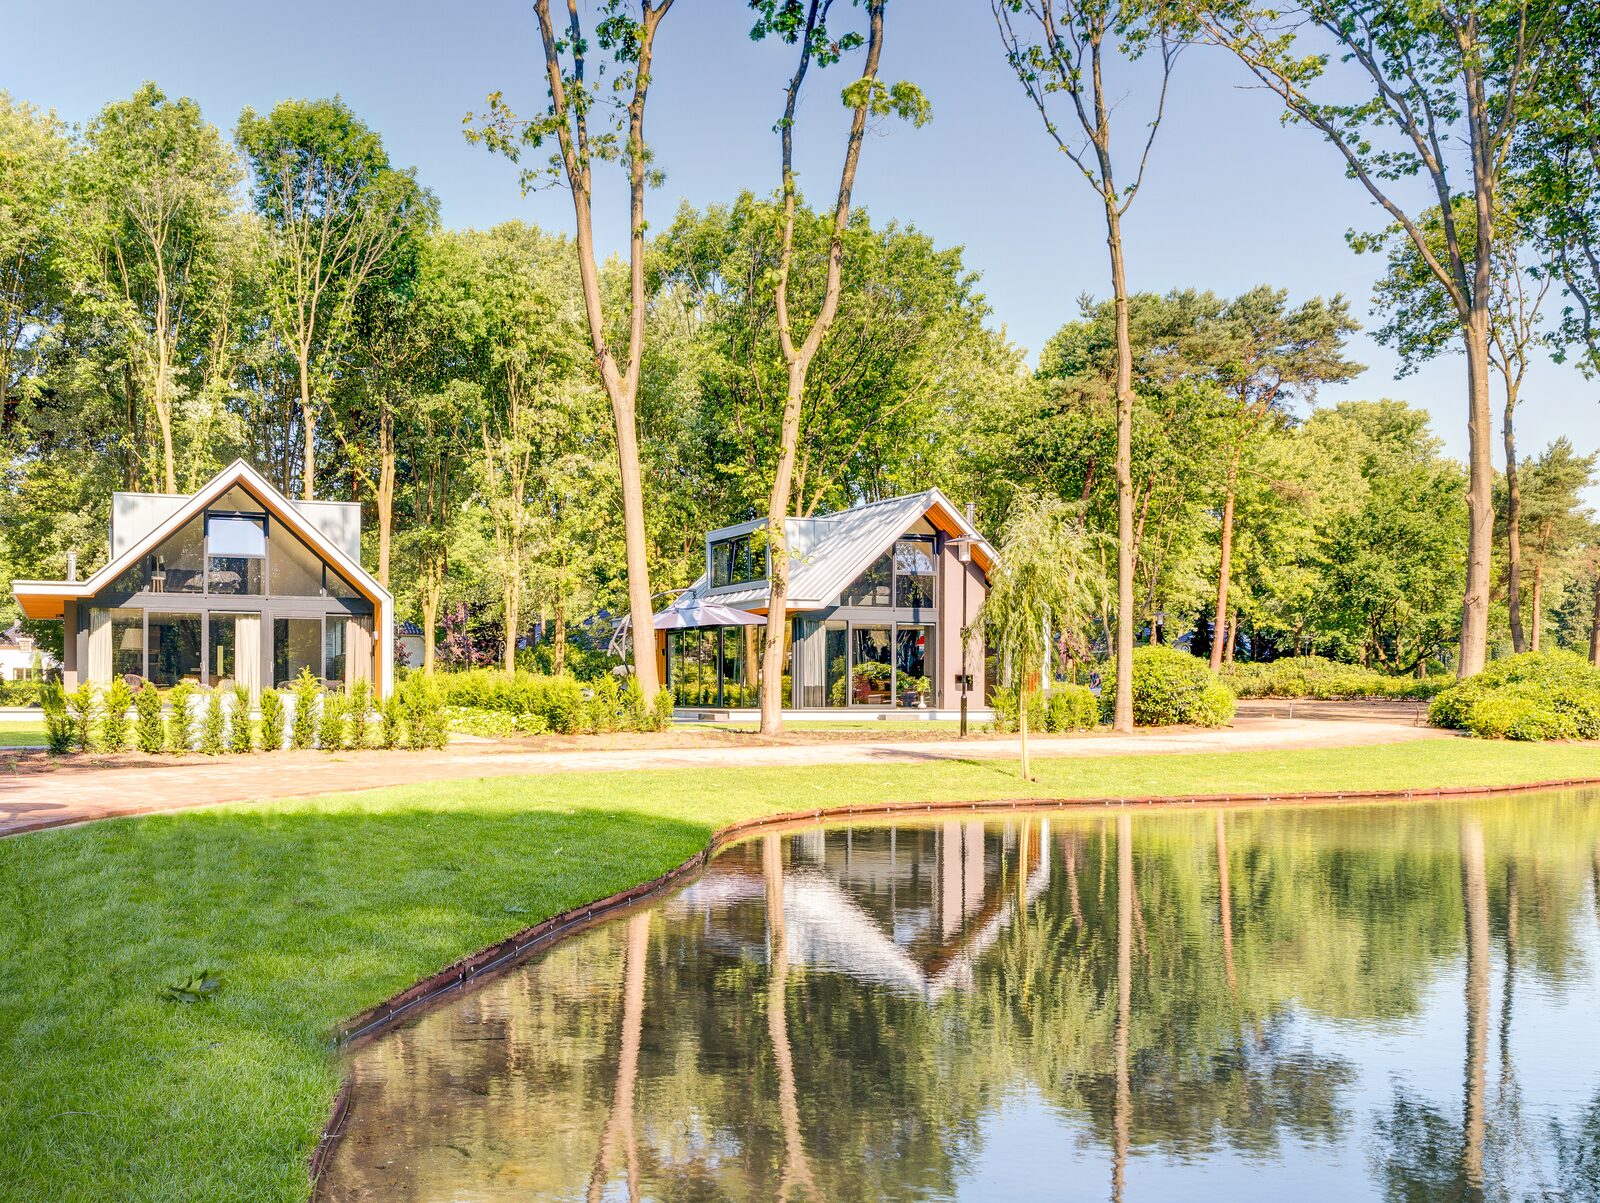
[
  {"x": 908, "y": 908},
  {"x": 20, "y": 657},
  {"x": 878, "y": 597},
  {"x": 232, "y": 584}
]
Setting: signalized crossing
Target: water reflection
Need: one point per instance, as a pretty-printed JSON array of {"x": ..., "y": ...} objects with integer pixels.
[{"x": 1352, "y": 1002}]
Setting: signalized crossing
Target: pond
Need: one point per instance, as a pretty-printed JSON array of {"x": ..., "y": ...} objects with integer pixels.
[{"x": 1340, "y": 1002}]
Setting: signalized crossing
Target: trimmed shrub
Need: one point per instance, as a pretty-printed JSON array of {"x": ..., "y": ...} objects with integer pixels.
[
  {"x": 83, "y": 705},
  {"x": 1534, "y": 696},
  {"x": 427, "y": 724},
  {"x": 240, "y": 737},
  {"x": 604, "y": 705},
  {"x": 1169, "y": 688},
  {"x": 391, "y": 718},
  {"x": 331, "y": 725},
  {"x": 360, "y": 702},
  {"x": 559, "y": 700},
  {"x": 59, "y": 730},
  {"x": 1003, "y": 702},
  {"x": 662, "y": 717},
  {"x": 180, "y": 731},
  {"x": 20, "y": 693},
  {"x": 272, "y": 720},
  {"x": 306, "y": 692},
  {"x": 114, "y": 724},
  {"x": 149, "y": 731},
  {"x": 213, "y": 724},
  {"x": 494, "y": 724},
  {"x": 1321, "y": 678},
  {"x": 1071, "y": 708}
]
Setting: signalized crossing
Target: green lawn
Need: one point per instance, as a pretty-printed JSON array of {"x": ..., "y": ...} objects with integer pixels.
[
  {"x": 860, "y": 724},
  {"x": 21, "y": 735},
  {"x": 316, "y": 909}
]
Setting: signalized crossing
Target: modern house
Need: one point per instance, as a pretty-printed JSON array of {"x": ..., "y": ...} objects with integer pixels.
[
  {"x": 233, "y": 584},
  {"x": 878, "y": 598},
  {"x": 20, "y": 658}
]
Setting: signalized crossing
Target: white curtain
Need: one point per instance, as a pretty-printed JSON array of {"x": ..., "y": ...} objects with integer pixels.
[
  {"x": 247, "y": 653},
  {"x": 99, "y": 666},
  {"x": 358, "y": 651}
]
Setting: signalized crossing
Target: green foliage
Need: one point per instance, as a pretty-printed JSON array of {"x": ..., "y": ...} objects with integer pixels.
[
  {"x": 331, "y": 725},
  {"x": 1319, "y": 677},
  {"x": 494, "y": 724},
  {"x": 391, "y": 721},
  {"x": 19, "y": 693},
  {"x": 1534, "y": 696},
  {"x": 662, "y": 711},
  {"x": 604, "y": 705},
  {"x": 114, "y": 723},
  {"x": 150, "y": 729},
  {"x": 272, "y": 720},
  {"x": 59, "y": 729},
  {"x": 303, "y": 733},
  {"x": 180, "y": 727},
  {"x": 360, "y": 713},
  {"x": 83, "y": 704},
  {"x": 1171, "y": 688},
  {"x": 423, "y": 704},
  {"x": 213, "y": 724},
  {"x": 558, "y": 700},
  {"x": 196, "y": 988},
  {"x": 1071, "y": 708},
  {"x": 240, "y": 736}
]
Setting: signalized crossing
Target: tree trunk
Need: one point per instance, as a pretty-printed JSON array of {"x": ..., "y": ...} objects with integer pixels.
[
  {"x": 1513, "y": 530},
  {"x": 1594, "y": 629},
  {"x": 796, "y": 1166},
  {"x": 308, "y": 420},
  {"x": 513, "y": 604},
  {"x": 1233, "y": 637},
  {"x": 1225, "y": 558},
  {"x": 1475, "y": 902},
  {"x": 1538, "y": 605},
  {"x": 1123, "y": 713},
  {"x": 1480, "y": 498},
  {"x": 772, "y": 699},
  {"x": 619, "y": 1121},
  {"x": 1022, "y": 727},
  {"x": 1225, "y": 903},
  {"x": 558, "y": 647},
  {"x": 1122, "y": 1111},
  {"x": 432, "y": 597},
  {"x": 385, "y": 493}
]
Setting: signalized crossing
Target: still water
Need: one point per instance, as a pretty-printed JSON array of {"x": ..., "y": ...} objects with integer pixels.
[{"x": 1354, "y": 1002}]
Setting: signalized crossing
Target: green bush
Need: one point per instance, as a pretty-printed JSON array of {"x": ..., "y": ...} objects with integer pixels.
[
  {"x": 306, "y": 692},
  {"x": 1003, "y": 703},
  {"x": 1169, "y": 688},
  {"x": 149, "y": 731},
  {"x": 1321, "y": 678},
  {"x": 59, "y": 730},
  {"x": 1534, "y": 696},
  {"x": 604, "y": 706},
  {"x": 83, "y": 704},
  {"x": 114, "y": 724},
  {"x": 360, "y": 712},
  {"x": 558, "y": 700},
  {"x": 423, "y": 705},
  {"x": 391, "y": 718},
  {"x": 19, "y": 693},
  {"x": 240, "y": 737},
  {"x": 662, "y": 714},
  {"x": 180, "y": 730},
  {"x": 213, "y": 723},
  {"x": 331, "y": 723},
  {"x": 494, "y": 724},
  {"x": 272, "y": 720},
  {"x": 1071, "y": 708}
]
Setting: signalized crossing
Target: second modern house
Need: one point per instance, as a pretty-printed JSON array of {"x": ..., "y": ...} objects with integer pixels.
[
  {"x": 879, "y": 596},
  {"x": 234, "y": 584}
]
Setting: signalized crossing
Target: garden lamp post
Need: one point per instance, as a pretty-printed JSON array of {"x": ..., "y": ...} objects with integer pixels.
[{"x": 963, "y": 545}]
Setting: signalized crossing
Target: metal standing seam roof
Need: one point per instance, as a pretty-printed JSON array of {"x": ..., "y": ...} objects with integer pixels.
[{"x": 845, "y": 545}]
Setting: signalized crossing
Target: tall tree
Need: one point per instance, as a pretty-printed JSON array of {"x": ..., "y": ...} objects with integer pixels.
[
  {"x": 1422, "y": 323},
  {"x": 574, "y": 96},
  {"x": 155, "y": 186},
  {"x": 34, "y": 225},
  {"x": 1558, "y": 521},
  {"x": 335, "y": 209},
  {"x": 804, "y": 23},
  {"x": 1065, "y": 46},
  {"x": 1442, "y": 78}
]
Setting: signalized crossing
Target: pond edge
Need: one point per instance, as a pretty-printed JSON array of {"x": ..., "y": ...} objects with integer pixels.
[{"x": 506, "y": 954}]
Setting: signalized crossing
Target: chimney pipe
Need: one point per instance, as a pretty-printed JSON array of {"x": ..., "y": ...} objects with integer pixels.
[{"x": 72, "y": 565}]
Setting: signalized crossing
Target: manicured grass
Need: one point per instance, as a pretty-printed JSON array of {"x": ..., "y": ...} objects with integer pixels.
[
  {"x": 316, "y": 909},
  {"x": 21, "y": 735},
  {"x": 863, "y": 724}
]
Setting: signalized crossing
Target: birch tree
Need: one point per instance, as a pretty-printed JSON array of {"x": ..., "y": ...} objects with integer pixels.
[
  {"x": 803, "y": 23},
  {"x": 1063, "y": 48},
  {"x": 1442, "y": 89},
  {"x": 578, "y": 94}
]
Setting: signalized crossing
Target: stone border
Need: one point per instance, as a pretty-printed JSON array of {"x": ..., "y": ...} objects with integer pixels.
[{"x": 498, "y": 958}]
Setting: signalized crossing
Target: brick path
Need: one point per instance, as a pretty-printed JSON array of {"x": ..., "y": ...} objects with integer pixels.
[{"x": 35, "y": 793}]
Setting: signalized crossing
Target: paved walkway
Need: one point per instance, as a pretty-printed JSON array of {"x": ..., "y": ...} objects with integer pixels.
[{"x": 74, "y": 793}]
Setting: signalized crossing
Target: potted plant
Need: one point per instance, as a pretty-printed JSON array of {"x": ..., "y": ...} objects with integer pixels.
[{"x": 913, "y": 690}]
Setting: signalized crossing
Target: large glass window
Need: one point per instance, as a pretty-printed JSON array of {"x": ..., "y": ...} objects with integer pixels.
[
  {"x": 913, "y": 658},
  {"x": 174, "y": 648},
  {"x": 872, "y": 587},
  {"x": 692, "y": 663},
  {"x": 293, "y": 568},
  {"x": 333, "y": 648},
  {"x": 237, "y": 550},
  {"x": 296, "y": 645},
  {"x": 127, "y": 643},
  {"x": 735, "y": 561},
  {"x": 180, "y": 561},
  {"x": 872, "y": 667},
  {"x": 836, "y": 650},
  {"x": 913, "y": 572}
]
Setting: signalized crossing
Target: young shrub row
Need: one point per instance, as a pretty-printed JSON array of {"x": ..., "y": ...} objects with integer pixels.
[
  {"x": 1170, "y": 688},
  {"x": 1323, "y": 679},
  {"x": 1063, "y": 707},
  {"x": 564, "y": 705},
  {"x": 1534, "y": 696}
]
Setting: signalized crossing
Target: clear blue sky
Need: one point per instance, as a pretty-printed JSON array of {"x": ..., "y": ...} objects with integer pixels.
[{"x": 1232, "y": 199}]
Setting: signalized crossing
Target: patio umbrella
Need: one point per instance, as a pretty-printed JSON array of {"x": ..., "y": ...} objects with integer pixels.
[{"x": 705, "y": 614}]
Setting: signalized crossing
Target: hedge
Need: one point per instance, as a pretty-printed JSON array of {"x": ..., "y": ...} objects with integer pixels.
[
  {"x": 1060, "y": 708},
  {"x": 1534, "y": 696},
  {"x": 1324, "y": 679},
  {"x": 566, "y": 706},
  {"x": 1170, "y": 688}
]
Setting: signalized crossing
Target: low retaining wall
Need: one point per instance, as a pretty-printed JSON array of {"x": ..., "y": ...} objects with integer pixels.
[{"x": 511, "y": 951}]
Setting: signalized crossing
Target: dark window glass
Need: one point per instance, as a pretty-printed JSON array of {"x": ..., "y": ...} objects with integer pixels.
[
  {"x": 174, "y": 647},
  {"x": 871, "y": 670},
  {"x": 912, "y": 660},
  {"x": 734, "y": 561},
  {"x": 180, "y": 561},
  {"x": 296, "y": 644},
  {"x": 333, "y": 649},
  {"x": 871, "y": 588},
  {"x": 127, "y": 642},
  {"x": 294, "y": 569},
  {"x": 913, "y": 573}
]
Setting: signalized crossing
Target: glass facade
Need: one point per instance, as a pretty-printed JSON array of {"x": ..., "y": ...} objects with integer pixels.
[
  {"x": 871, "y": 666},
  {"x": 127, "y": 643},
  {"x": 873, "y": 587},
  {"x": 913, "y": 663},
  {"x": 736, "y": 560},
  {"x": 174, "y": 648},
  {"x": 296, "y": 645},
  {"x": 913, "y": 573}
]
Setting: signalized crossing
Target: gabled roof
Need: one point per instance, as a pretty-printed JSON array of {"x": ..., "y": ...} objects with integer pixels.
[
  {"x": 843, "y": 545},
  {"x": 43, "y": 599}
]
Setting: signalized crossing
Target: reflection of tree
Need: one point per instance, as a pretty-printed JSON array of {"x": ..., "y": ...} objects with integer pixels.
[
  {"x": 1225, "y": 903},
  {"x": 1124, "y": 1104},
  {"x": 1577, "y": 1154},
  {"x": 619, "y": 1127},
  {"x": 796, "y": 1167},
  {"x": 1475, "y": 902}
]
